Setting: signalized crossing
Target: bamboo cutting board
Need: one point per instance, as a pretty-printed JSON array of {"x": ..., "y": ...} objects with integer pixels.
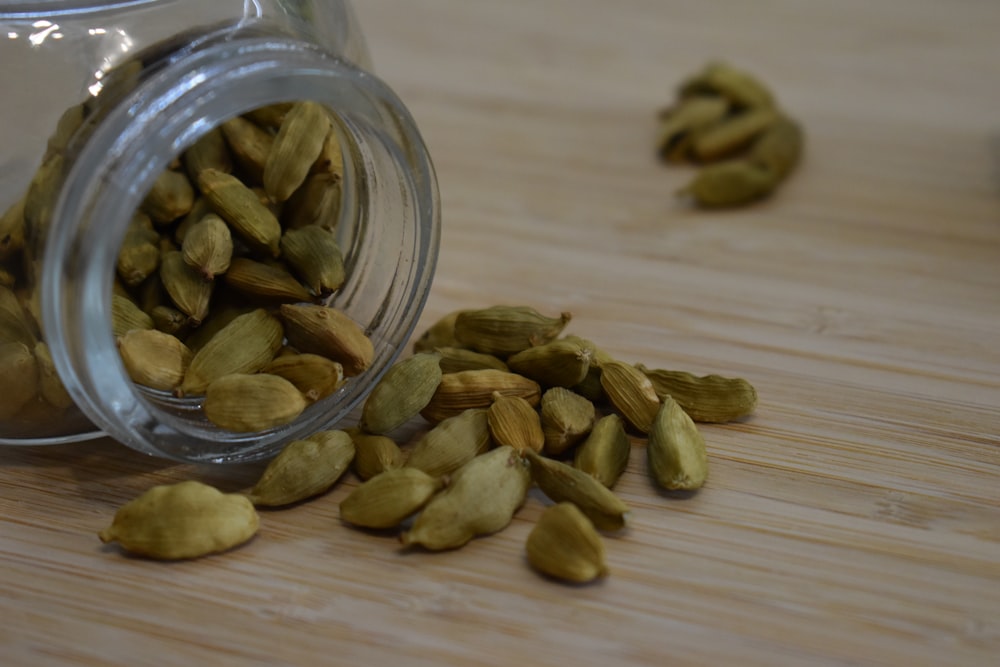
[{"x": 853, "y": 520}]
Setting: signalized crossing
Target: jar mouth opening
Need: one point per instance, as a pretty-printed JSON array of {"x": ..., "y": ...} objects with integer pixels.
[{"x": 391, "y": 222}]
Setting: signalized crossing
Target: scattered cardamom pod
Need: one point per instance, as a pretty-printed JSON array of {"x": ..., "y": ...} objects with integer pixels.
[
  {"x": 19, "y": 370},
  {"x": 564, "y": 483},
  {"x": 125, "y": 316},
  {"x": 264, "y": 281},
  {"x": 184, "y": 520},
  {"x": 709, "y": 398},
  {"x": 313, "y": 254},
  {"x": 566, "y": 419},
  {"x": 50, "y": 385},
  {"x": 387, "y": 499},
  {"x": 732, "y": 183},
  {"x": 676, "y": 450},
  {"x": 303, "y": 469},
  {"x": 296, "y": 147},
  {"x": 513, "y": 422},
  {"x": 328, "y": 332},
  {"x": 154, "y": 359},
  {"x": 315, "y": 376},
  {"x": 452, "y": 443},
  {"x": 458, "y": 392},
  {"x": 250, "y": 146},
  {"x": 209, "y": 152},
  {"x": 245, "y": 345},
  {"x": 208, "y": 246},
  {"x": 506, "y": 330},
  {"x": 252, "y": 403},
  {"x": 604, "y": 454},
  {"x": 374, "y": 454},
  {"x": 188, "y": 290},
  {"x": 733, "y": 134},
  {"x": 170, "y": 197},
  {"x": 481, "y": 499},
  {"x": 739, "y": 87},
  {"x": 404, "y": 390},
  {"x": 565, "y": 545},
  {"x": 779, "y": 148},
  {"x": 690, "y": 116},
  {"x": 631, "y": 392},
  {"x": 561, "y": 363},
  {"x": 237, "y": 204},
  {"x": 439, "y": 334},
  {"x": 456, "y": 359}
]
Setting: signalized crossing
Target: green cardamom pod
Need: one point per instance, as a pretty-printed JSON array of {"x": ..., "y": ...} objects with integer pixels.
[
  {"x": 451, "y": 444},
  {"x": 328, "y": 332},
  {"x": 245, "y": 345},
  {"x": 605, "y": 453},
  {"x": 676, "y": 450},
  {"x": 374, "y": 454},
  {"x": 709, "y": 398},
  {"x": 404, "y": 390},
  {"x": 251, "y": 403},
  {"x": 566, "y": 418},
  {"x": 564, "y": 483},
  {"x": 565, "y": 545},
  {"x": 513, "y": 422},
  {"x": 313, "y": 254},
  {"x": 303, "y": 469},
  {"x": 387, "y": 499},
  {"x": 506, "y": 330},
  {"x": 561, "y": 363},
  {"x": 208, "y": 246},
  {"x": 631, "y": 392}
]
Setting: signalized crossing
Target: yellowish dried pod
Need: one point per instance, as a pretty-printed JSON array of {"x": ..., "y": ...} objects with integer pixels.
[
  {"x": 451, "y": 444},
  {"x": 732, "y": 134},
  {"x": 328, "y": 332},
  {"x": 125, "y": 316},
  {"x": 239, "y": 206},
  {"x": 246, "y": 345},
  {"x": 565, "y": 545},
  {"x": 170, "y": 197},
  {"x": 252, "y": 403},
  {"x": 732, "y": 183},
  {"x": 271, "y": 116},
  {"x": 676, "y": 450},
  {"x": 40, "y": 201},
  {"x": 14, "y": 325},
  {"x": 296, "y": 147},
  {"x": 209, "y": 152},
  {"x": 707, "y": 398},
  {"x": 739, "y": 87},
  {"x": 250, "y": 146},
  {"x": 604, "y": 454},
  {"x": 331, "y": 157},
  {"x": 199, "y": 210},
  {"x": 184, "y": 520},
  {"x": 561, "y": 363},
  {"x": 679, "y": 124},
  {"x": 564, "y": 483},
  {"x": 12, "y": 231},
  {"x": 480, "y": 500},
  {"x": 439, "y": 334},
  {"x": 266, "y": 281},
  {"x": 303, "y": 469},
  {"x": 631, "y": 392},
  {"x": 66, "y": 127},
  {"x": 315, "y": 376},
  {"x": 461, "y": 391},
  {"x": 566, "y": 419},
  {"x": 779, "y": 149},
  {"x": 208, "y": 246},
  {"x": 457, "y": 359},
  {"x": 19, "y": 370},
  {"x": 316, "y": 202},
  {"x": 188, "y": 290},
  {"x": 139, "y": 255},
  {"x": 223, "y": 312},
  {"x": 313, "y": 254},
  {"x": 506, "y": 330},
  {"x": 169, "y": 320},
  {"x": 154, "y": 359},
  {"x": 513, "y": 422},
  {"x": 401, "y": 393},
  {"x": 387, "y": 499},
  {"x": 374, "y": 454}
]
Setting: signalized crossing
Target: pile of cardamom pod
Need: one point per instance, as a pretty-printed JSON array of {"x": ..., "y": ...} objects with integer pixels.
[
  {"x": 511, "y": 402},
  {"x": 728, "y": 120}
]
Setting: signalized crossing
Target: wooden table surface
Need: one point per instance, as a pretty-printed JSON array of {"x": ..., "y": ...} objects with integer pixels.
[{"x": 853, "y": 520}]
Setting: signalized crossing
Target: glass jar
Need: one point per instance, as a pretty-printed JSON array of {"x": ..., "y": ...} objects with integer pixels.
[{"x": 100, "y": 99}]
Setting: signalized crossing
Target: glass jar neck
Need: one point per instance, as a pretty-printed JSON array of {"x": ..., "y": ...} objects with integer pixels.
[{"x": 392, "y": 194}]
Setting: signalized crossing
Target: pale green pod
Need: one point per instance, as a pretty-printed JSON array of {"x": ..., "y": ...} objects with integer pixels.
[{"x": 401, "y": 393}]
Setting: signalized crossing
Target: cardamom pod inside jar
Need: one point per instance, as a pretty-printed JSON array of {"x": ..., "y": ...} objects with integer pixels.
[{"x": 218, "y": 227}]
